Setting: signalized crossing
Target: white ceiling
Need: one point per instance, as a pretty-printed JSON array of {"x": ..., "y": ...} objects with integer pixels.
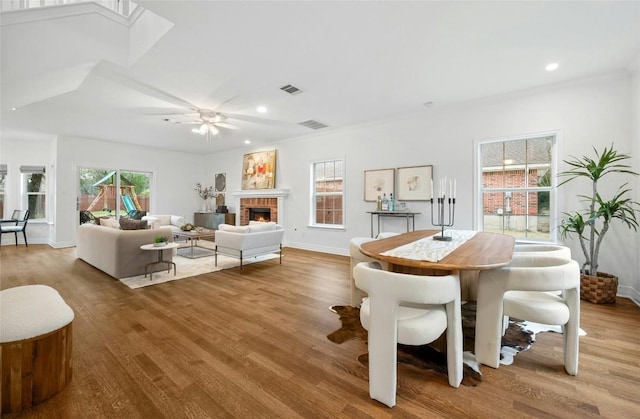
[{"x": 356, "y": 62}]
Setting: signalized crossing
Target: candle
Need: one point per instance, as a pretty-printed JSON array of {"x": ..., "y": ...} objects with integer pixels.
[
  {"x": 432, "y": 188},
  {"x": 454, "y": 188},
  {"x": 450, "y": 189},
  {"x": 444, "y": 187}
]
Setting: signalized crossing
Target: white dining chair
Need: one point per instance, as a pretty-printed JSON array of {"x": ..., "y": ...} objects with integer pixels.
[
  {"x": 542, "y": 249},
  {"x": 522, "y": 290},
  {"x": 356, "y": 256},
  {"x": 407, "y": 309}
]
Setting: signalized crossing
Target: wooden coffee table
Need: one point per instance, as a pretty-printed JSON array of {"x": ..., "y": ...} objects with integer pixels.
[{"x": 193, "y": 236}]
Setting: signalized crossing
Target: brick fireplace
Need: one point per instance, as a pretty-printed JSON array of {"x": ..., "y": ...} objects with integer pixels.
[{"x": 260, "y": 200}]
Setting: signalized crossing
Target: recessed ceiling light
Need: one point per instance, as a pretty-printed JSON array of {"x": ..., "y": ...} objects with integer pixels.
[
  {"x": 247, "y": 141},
  {"x": 551, "y": 66},
  {"x": 261, "y": 109},
  {"x": 14, "y": 109}
]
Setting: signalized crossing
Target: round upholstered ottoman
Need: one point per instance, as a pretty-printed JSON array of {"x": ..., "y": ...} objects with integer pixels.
[{"x": 35, "y": 345}]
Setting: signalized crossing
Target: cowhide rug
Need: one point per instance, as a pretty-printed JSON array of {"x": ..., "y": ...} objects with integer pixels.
[{"x": 517, "y": 338}]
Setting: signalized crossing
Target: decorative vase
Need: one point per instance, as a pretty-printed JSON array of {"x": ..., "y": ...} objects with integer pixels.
[{"x": 205, "y": 206}]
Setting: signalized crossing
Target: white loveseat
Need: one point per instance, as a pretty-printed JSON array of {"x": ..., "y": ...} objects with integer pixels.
[
  {"x": 117, "y": 252},
  {"x": 242, "y": 242},
  {"x": 172, "y": 221}
]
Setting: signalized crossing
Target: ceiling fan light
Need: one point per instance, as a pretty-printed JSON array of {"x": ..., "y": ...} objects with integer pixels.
[
  {"x": 213, "y": 130},
  {"x": 203, "y": 129}
]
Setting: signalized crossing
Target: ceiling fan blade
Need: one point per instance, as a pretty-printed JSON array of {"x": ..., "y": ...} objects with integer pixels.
[
  {"x": 111, "y": 72},
  {"x": 151, "y": 111},
  {"x": 258, "y": 120},
  {"x": 225, "y": 125}
]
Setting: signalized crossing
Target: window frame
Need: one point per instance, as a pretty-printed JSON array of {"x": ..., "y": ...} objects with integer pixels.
[
  {"x": 25, "y": 172},
  {"x": 3, "y": 191},
  {"x": 313, "y": 195},
  {"x": 478, "y": 215}
]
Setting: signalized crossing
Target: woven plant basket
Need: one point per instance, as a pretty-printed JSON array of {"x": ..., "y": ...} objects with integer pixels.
[{"x": 599, "y": 289}]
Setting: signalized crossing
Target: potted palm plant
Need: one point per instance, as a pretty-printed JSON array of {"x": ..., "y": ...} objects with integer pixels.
[{"x": 592, "y": 224}]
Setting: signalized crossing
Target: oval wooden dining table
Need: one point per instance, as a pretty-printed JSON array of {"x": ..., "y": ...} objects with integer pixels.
[{"x": 482, "y": 251}]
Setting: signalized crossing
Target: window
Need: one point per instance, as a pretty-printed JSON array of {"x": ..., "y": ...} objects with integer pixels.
[
  {"x": 3, "y": 178},
  {"x": 34, "y": 191},
  {"x": 114, "y": 192},
  {"x": 516, "y": 188},
  {"x": 327, "y": 208}
]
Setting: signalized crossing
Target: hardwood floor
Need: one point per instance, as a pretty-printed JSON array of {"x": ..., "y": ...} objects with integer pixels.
[{"x": 253, "y": 344}]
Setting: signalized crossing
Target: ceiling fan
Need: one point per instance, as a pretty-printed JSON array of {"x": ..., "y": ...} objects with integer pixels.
[{"x": 209, "y": 121}]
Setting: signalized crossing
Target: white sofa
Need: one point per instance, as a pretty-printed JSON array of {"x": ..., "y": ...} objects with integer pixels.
[
  {"x": 172, "y": 221},
  {"x": 248, "y": 241},
  {"x": 117, "y": 252}
]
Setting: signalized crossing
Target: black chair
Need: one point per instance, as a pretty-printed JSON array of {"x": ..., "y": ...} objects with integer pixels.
[
  {"x": 87, "y": 217},
  {"x": 17, "y": 224}
]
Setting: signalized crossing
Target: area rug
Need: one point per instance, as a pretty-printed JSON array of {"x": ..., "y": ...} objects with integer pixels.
[
  {"x": 518, "y": 337},
  {"x": 187, "y": 268}
]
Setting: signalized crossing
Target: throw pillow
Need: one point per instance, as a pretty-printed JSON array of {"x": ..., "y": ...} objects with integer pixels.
[
  {"x": 109, "y": 222},
  {"x": 234, "y": 229},
  {"x": 257, "y": 227},
  {"x": 129, "y": 224}
]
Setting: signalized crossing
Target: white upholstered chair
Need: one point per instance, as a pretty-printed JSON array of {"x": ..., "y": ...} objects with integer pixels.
[
  {"x": 407, "y": 309},
  {"x": 549, "y": 250},
  {"x": 522, "y": 290},
  {"x": 356, "y": 256}
]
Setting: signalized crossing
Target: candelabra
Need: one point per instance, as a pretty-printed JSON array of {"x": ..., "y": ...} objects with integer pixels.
[{"x": 442, "y": 201}]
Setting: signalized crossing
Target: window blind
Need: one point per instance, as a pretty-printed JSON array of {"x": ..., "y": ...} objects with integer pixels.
[{"x": 32, "y": 169}]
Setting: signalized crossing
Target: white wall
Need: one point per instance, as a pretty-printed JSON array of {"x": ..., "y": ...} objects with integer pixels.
[
  {"x": 587, "y": 113},
  {"x": 634, "y": 287},
  {"x": 174, "y": 177},
  {"x": 16, "y": 152}
]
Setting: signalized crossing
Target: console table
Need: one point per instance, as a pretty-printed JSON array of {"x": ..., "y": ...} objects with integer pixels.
[
  {"x": 408, "y": 215},
  {"x": 211, "y": 220}
]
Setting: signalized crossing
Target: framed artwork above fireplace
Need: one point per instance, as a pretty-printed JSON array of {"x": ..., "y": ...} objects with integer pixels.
[{"x": 259, "y": 170}]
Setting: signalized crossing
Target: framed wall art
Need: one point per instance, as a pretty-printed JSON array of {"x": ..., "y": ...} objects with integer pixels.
[
  {"x": 220, "y": 182},
  {"x": 378, "y": 182},
  {"x": 259, "y": 170},
  {"x": 414, "y": 183}
]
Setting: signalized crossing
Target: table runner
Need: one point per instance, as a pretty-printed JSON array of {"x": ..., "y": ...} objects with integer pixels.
[{"x": 429, "y": 249}]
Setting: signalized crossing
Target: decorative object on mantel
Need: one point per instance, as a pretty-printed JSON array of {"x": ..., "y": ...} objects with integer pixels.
[
  {"x": 413, "y": 183},
  {"x": 205, "y": 193},
  {"x": 598, "y": 287},
  {"x": 259, "y": 170},
  {"x": 442, "y": 200}
]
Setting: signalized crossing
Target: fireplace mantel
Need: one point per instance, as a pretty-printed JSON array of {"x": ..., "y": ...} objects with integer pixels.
[
  {"x": 278, "y": 194},
  {"x": 261, "y": 193}
]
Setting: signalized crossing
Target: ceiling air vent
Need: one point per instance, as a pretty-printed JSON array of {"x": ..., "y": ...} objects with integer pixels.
[
  {"x": 292, "y": 90},
  {"x": 313, "y": 124}
]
